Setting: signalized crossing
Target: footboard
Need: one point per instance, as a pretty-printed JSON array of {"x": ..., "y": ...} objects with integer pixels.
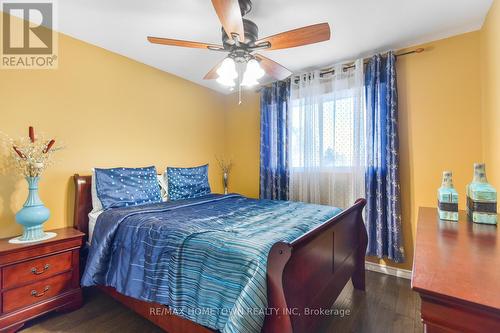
[{"x": 307, "y": 275}]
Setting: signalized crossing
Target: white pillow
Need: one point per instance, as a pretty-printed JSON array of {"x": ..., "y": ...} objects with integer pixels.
[
  {"x": 162, "y": 181},
  {"x": 96, "y": 203}
]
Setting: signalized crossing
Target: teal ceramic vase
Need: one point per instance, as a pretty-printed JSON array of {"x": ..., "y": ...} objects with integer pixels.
[{"x": 33, "y": 214}]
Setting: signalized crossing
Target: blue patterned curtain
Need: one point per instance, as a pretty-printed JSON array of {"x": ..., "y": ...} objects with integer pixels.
[
  {"x": 274, "y": 171},
  {"x": 383, "y": 209}
]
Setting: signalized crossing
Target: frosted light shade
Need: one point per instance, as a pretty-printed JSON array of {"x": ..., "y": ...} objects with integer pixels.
[
  {"x": 227, "y": 70},
  {"x": 254, "y": 70},
  {"x": 249, "y": 81}
]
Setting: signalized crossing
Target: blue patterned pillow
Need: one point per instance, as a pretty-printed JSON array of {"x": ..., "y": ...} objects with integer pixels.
[
  {"x": 120, "y": 187},
  {"x": 186, "y": 183}
]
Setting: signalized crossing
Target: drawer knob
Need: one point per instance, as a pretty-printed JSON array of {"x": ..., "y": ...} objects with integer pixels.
[
  {"x": 35, "y": 293},
  {"x": 35, "y": 271}
]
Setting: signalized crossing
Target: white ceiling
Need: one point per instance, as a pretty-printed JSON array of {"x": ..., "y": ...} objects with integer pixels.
[{"x": 359, "y": 28}]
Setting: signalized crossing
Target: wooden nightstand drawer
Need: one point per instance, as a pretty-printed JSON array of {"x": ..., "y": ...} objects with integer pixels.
[
  {"x": 35, "y": 270},
  {"x": 39, "y": 277},
  {"x": 20, "y": 297}
]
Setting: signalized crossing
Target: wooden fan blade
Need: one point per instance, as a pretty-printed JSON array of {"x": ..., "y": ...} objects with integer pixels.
[
  {"x": 302, "y": 36},
  {"x": 272, "y": 68},
  {"x": 230, "y": 16},
  {"x": 212, "y": 74},
  {"x": 183, "y": 43}
]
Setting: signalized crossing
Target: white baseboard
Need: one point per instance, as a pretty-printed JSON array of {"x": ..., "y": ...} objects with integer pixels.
[{"x": 399, "y": 272}]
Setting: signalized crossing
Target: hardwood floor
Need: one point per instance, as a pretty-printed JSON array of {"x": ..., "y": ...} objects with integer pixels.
[{"x": 389, "y": 305}]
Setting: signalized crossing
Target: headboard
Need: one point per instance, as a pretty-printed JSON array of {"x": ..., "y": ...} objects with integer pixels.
[{"x": 83, "y": 202}]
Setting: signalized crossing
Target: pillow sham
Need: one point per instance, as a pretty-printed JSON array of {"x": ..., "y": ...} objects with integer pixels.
[
  {"x": 187, "y": 183},
  {"x": 121, "y": 187}
]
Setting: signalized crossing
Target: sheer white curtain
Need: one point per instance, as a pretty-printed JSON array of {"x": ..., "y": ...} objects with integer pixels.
[{"x": 327, "y": 137}]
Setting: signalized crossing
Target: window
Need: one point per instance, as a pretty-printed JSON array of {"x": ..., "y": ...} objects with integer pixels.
[
  {"x": 326, "y": 136},
  {"x": 322, "y": 133}
]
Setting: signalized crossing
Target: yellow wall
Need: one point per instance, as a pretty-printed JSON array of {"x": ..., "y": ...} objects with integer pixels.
[
  {"x": 490, "y": 80},
  {"x": 439, "y": 95},
  {"x": 440, "y": 126},
  {"x": 109, "y": 111},
  {"x": 96, "y": 99},
  {"x": 243, "y": 142}
]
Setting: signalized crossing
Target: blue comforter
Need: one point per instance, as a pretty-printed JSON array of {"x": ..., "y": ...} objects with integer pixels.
[{"x": 205, "y": 258}]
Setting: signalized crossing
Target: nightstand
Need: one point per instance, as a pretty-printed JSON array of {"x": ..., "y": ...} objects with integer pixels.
[{"x": 39, "y": 277}]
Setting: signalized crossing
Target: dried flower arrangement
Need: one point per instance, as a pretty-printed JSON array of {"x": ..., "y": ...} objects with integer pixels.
[
  {"x": 32, "y": 155},
  {"x": 224, "y": 165}
]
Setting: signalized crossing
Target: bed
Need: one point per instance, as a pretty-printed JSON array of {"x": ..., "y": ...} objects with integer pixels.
[{"x": 304, "y": 272}]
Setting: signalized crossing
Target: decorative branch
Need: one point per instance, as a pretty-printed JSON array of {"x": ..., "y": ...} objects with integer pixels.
[
  {"x": 31, "y": 131},
  {"x": 18, "y": 152},
  {"x": 224, "y": 165},
  {"x": 49, "y": 145}
]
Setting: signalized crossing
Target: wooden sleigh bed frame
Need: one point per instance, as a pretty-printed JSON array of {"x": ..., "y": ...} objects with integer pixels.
[{"x": 308, "y": 273}]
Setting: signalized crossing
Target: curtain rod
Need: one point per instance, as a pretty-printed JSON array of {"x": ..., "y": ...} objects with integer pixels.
[{"x": 366, "y": 60}]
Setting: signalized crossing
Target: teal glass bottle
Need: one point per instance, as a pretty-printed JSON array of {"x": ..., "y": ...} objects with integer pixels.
[
  {"x": 33, "y": 214},
  {"x": 481, "y": 198},
  {"x": 447, "y": 198}
]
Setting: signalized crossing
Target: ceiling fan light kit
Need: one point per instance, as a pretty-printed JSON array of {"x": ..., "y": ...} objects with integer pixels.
[
  {"x": 227, "y": 73},
  {"x": 252, "y": 74},
  {"x": 240, "y": 40}
]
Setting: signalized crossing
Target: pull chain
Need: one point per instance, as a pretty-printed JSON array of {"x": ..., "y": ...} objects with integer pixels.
[
  {"x": 239, "y": 94},
  {"x": 240, "y": 74}
]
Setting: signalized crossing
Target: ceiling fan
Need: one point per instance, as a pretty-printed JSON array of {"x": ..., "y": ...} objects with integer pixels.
[{"x": 240, "y": 39}]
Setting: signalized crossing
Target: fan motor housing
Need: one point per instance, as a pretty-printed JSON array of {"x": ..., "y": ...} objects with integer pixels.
[{"x": 251, "y": 35}]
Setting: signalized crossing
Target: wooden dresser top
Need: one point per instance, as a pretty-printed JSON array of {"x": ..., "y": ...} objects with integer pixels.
[{"x": 460, "y": 260}]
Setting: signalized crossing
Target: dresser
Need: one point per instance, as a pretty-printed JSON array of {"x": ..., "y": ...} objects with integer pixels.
[
  {"x": 39, "y": 277},
  {"x": 456, "y": 271}
]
